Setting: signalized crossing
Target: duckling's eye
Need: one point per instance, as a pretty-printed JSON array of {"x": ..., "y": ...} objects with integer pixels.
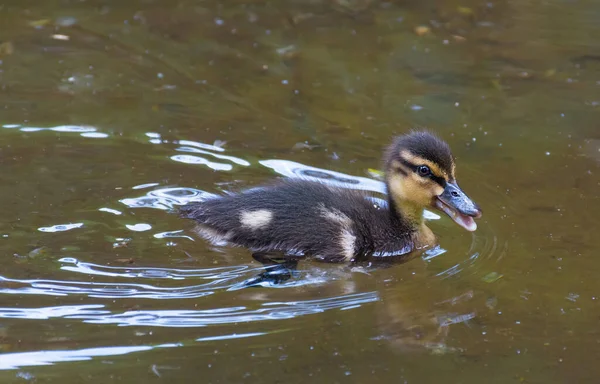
[{"x": 423, "y": 170}]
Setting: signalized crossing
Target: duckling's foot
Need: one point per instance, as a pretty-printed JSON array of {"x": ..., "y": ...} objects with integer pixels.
[{"x": 278, "y": 270}]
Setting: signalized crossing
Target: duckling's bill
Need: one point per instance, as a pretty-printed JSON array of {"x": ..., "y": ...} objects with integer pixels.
[{"x": 456, "y": 204}]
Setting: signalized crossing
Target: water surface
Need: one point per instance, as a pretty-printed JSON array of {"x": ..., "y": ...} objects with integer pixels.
[{"x": 114, "y": 113}]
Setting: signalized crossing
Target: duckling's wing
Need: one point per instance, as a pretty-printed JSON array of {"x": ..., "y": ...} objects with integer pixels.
[{"x": 301, "y": 217}]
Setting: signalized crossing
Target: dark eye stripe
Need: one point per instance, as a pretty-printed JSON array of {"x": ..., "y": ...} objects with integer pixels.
[{"x": 439, "y": 180}]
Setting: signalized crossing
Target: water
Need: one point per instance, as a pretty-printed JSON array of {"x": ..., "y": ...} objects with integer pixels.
[{"x": 115, "y": 113}]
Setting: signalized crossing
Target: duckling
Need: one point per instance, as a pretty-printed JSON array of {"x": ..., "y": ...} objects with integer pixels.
[{"x": 310, "y": 218}]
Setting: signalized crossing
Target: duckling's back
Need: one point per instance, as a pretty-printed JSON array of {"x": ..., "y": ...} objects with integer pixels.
[{"x": 297, "y": 217}]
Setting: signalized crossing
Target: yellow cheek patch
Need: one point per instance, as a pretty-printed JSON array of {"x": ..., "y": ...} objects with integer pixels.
[{"x": 413, "y": 188}]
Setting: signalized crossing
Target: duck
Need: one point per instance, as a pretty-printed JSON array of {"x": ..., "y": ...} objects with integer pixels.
[{"x": 307, "y": 218}]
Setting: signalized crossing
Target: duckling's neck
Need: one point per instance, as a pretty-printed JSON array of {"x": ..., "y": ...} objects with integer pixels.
[{"x": 410, "y": 215}]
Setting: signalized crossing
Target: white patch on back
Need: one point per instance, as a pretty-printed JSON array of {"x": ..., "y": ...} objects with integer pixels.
[
  {"x": 256, "y": 219},
  {"x": 214, "y": 236},
  {"x": 347, "y": 239},
  {"x": 335, "y": 215}
]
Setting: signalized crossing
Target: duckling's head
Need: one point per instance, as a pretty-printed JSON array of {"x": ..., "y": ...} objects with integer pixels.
[{"x": 420, "y": 173}]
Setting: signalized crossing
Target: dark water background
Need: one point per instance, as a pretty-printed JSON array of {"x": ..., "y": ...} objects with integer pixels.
[{"x": 113, "y": 112}]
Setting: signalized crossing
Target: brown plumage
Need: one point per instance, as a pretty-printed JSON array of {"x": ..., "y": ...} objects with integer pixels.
[{"x": 308, "y": 218}]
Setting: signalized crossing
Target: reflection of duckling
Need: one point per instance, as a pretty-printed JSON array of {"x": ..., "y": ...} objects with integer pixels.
[{"x": 310, "y": 218}]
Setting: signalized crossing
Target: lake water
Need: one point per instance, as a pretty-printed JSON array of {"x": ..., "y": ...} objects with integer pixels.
[{"x": 113, "y": 113}]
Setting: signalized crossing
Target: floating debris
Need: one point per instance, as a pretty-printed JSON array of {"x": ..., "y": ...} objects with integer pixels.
[
  {"x": 121, "y": 243},
  {"x": 375, "y": 173},
  {"x": 39, "y": 23},
  {"x": 304, "y": 145},
  {"x": 465, "y": 11},
  {"x": 572, "y": 297},
  {"x": 447, "y": 320},
  {"x": 422, "y": 30},
  {"x": 492, "y": 277},
  {"x": 40, "y": 251},
  {"x": 496, "y": 84},
  {"x": 61, "y": 37},
  {"x": 491, "y": 302}
]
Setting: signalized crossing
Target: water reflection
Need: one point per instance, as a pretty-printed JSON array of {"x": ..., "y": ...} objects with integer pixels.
[
  {"x": 212, "y": 281},
  {"x": 520, "y": 77},
  {"x": 409, "y": 327},
  {"x": 84, "y": 130},
  {"x": 296, "y": 170},
  {"x": 60, "y": 227},
  {"x": 50, "y": 357},
  {"x": 167, "y": 198},
  {"x": 217, "y": 273},
  {"x": 96, "y": 314},
  {"x": 29, "y": 359},
  {"x": 216, "y": 155},
  {"x": 188, "y": 159}
]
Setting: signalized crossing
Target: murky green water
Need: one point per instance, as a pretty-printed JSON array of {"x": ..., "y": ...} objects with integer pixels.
[{"x": 115, "y": 112}]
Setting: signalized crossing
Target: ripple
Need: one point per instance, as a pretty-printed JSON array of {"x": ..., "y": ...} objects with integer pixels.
[
  {"x": 95, "y": 135},
  {"x": 45, "y": 313},
  {"x": 73, "y": 128},
  {"x": 110, "y": 210},
  {"x": 107, "y": 290},
  {"x": 74, "y": 265},
  {"x": 215, "y": 155},
  {"x": 194, "y": 318},
  {"x": 201, "y": 145},
  {"x": 167, "y": 198},
  {"x": 140, "y": 227},
  {"x": 210, "y": 280},
  {"x": 172, "y": 234},
  {"x": 296, "y": 170},
  {"x": 58, "y": 128},
  {"x": 220, "y": 316},
  {"x": 37, "y": 358},
  {"x": 189, "y": 159},
  {"x": 146, "y": 185},
  {"x": 50, "y": 357},
  {"x": 60, "y": 227},
  {"x": 232, "y": 336},
  {"x": 95, "y": 314},
  {"x": 484, "y": 248}
]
